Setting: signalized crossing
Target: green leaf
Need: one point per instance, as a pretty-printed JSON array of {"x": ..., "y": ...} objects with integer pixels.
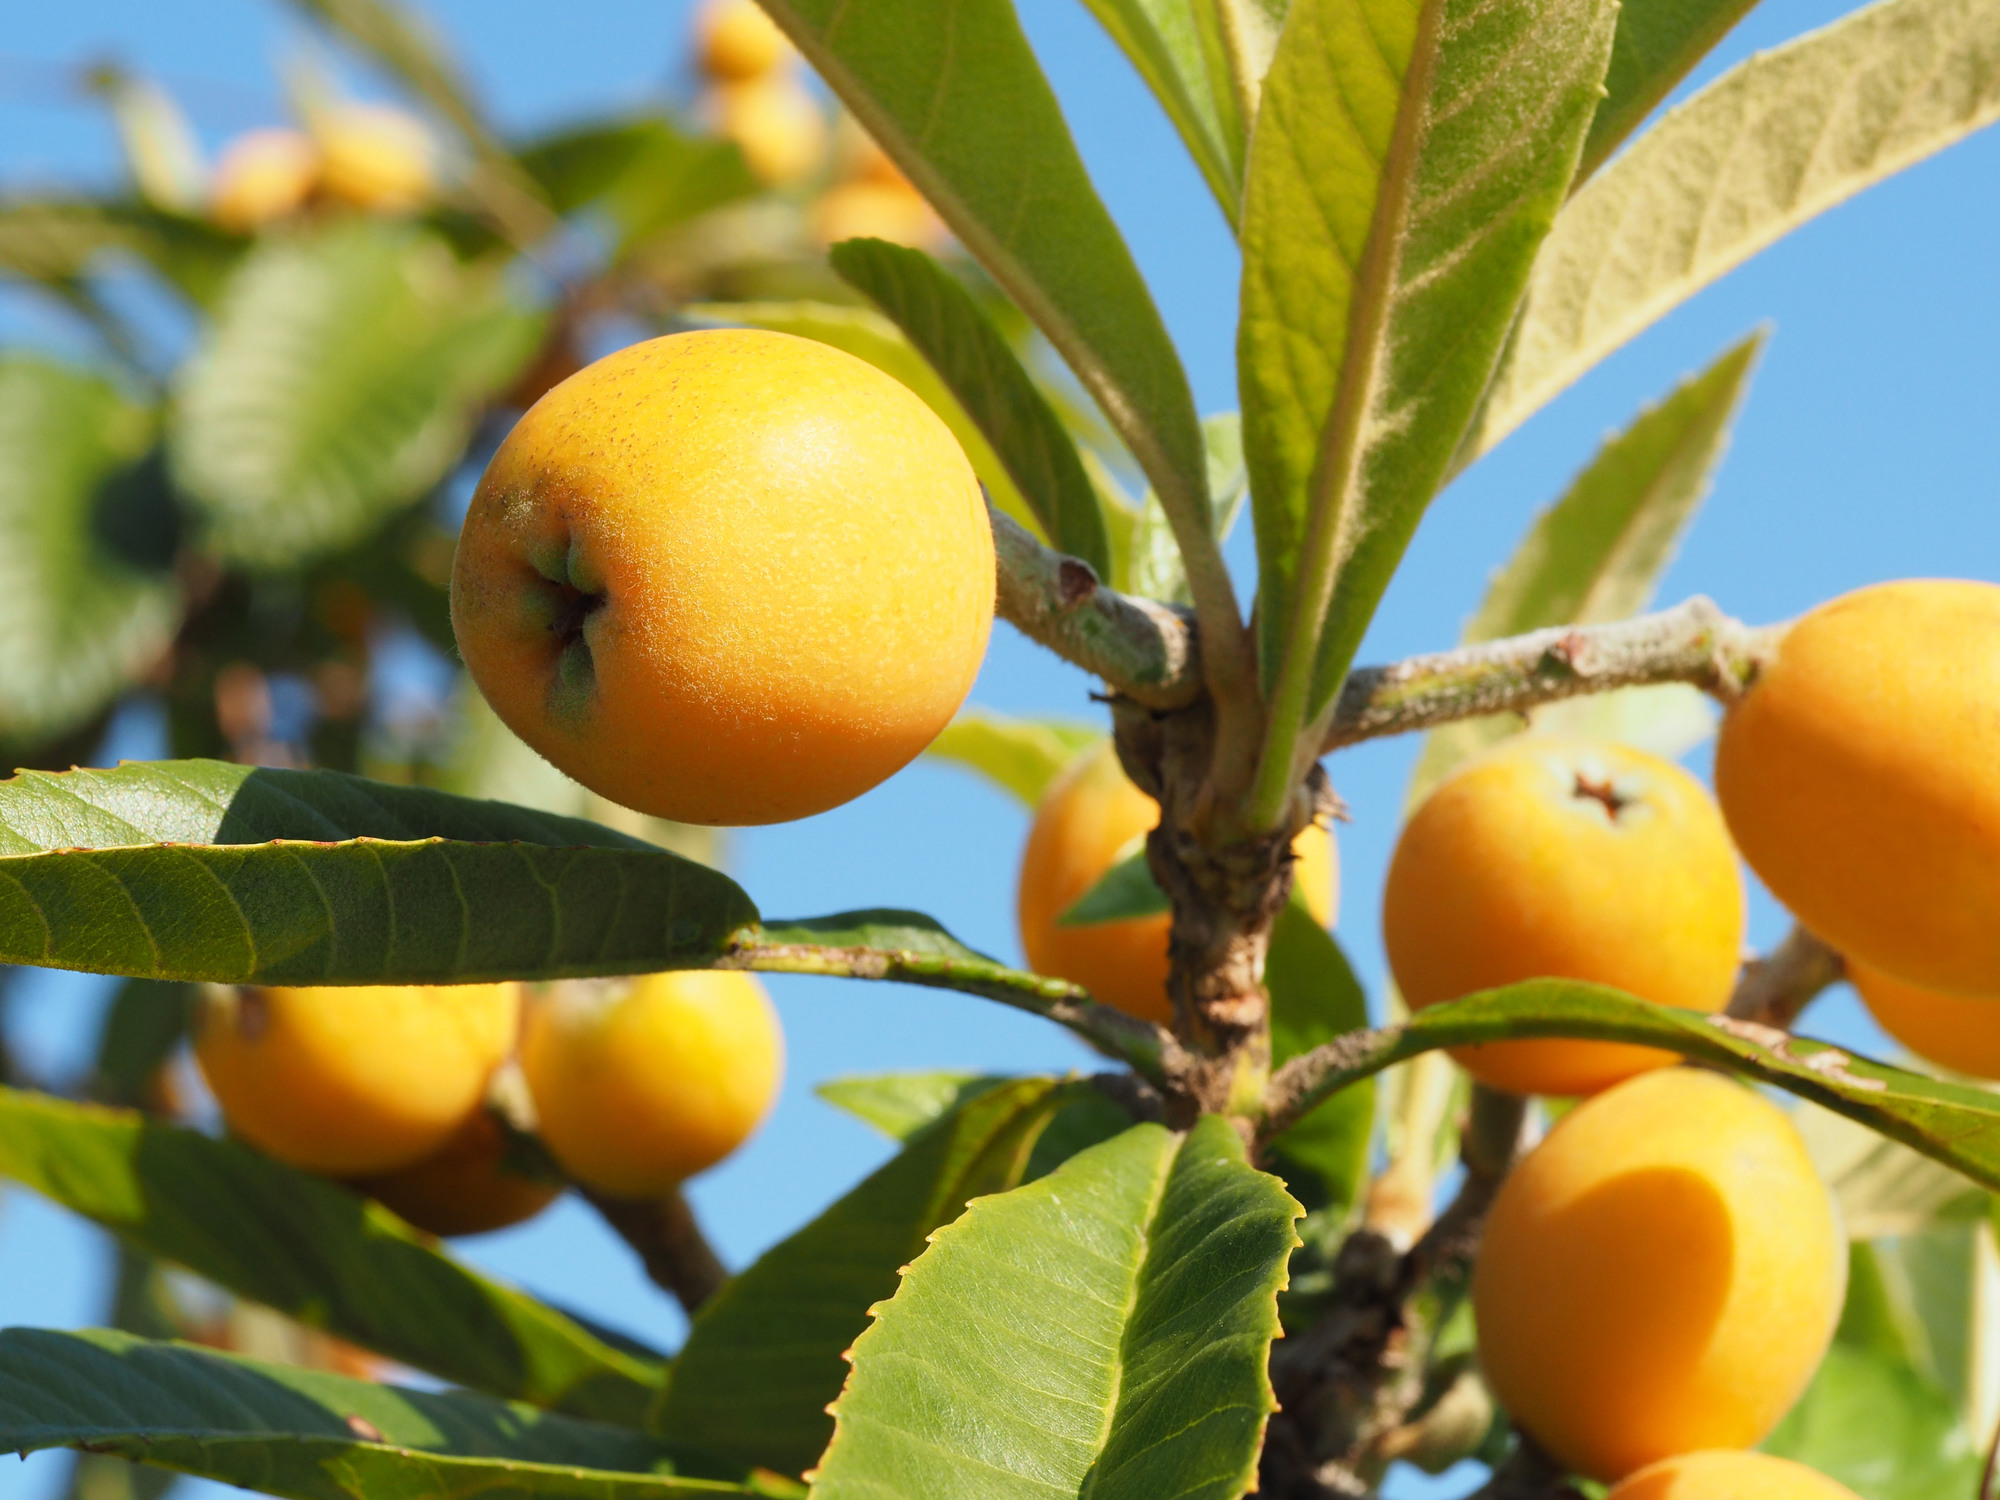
[
  {"x": 1948, "y": 1122},
  {"x": 1597, "y": 554},
  {"x": 1102, "y": 1331},
  {"x": 147, "y": 1023},
  {"x": 1155, "y": 568},
  {"x": 1022, "y": 755},
  {"x": 764, "y": 1358},
  {"x": 1925, "y": 1300},
  {"x": 953, "y": 93},
  {"x": 1884, "y": 1190},
  {"x": 867, "y": 335},
  {"x": 314, "y": 1250},
  {"x": 901, "y": 1104},
  {"x": 87, "y": 599},
  {"x": 1408, "y": 158},
  {"x": 1658, "y": 44},
  {"x": 198, "y": 870},
  {"x": 338, "y": 382},
  {"x": 1880, "y": 1429},
  {"x": 644, "y": 172},
  {"x": 1124, "y": 891},
  {"x": 1177, "y": 47},
  {"x": 307, "y": 1434},
  {"x": 1315, "y": 997},
  {"x": 1775, "y": 141},
  {"x": 56, "y": 241},
  {"x": 940, "y": 318}
]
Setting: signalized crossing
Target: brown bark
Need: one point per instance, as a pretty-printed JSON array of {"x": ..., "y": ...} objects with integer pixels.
[{"x": 1225, "y": 896}]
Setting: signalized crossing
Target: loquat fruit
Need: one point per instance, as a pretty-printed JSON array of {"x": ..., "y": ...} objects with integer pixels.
[
  {"x": 777, "y": 125},
  {"x": 376, "y": 158},
  {"x": 1959, "y": 1032},
  {"x": 639, "y": 1085},
  {"x": 1565, "y": 858},
  {"x": 1662, "y": 1274},
  {"x": 464, "y": 1187},
  {"x": 263, "y": 176},
  {"x": 735, "y": 41},
  {"x": 726, "y": 577},
  {"x": 1726, "y": 1475},
  {"x": 348, "y": 1080},
  {"x": 1860, "y": 774}
]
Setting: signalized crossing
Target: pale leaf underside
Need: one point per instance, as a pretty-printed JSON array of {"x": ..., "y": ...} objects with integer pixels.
[{"x": 1775, "y": 141}]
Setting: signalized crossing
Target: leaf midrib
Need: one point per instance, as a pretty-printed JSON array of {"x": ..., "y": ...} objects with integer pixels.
[
  {"x": 1129, "y": 1306},
  {"x": 1355, "y": 394}
]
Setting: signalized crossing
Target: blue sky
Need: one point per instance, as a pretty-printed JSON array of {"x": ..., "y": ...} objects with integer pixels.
[{"x": 1867, "y": 451}]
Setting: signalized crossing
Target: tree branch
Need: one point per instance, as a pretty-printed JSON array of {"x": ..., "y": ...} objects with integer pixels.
[
  {"x": 1147, "y": 651},
  {"x": 669, "y": 1241},
  {"x": 1775, "y": 989},
  {"x": 1354, "y": 1389},
  {"x": 1141, "y": 648},
  {"x": 1693, "y": 642}
]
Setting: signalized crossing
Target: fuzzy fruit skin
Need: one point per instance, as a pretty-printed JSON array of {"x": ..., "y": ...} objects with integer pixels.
[
  {"x": 737, "y": 41},
  {"x": 264, "y": 175},
  {"x": 1723, "y": 1475},
  {"x": 376, "y": 158},
  {"x": 1861, "y": 777},
  {"x": 1959, "y": 1032},
  {"x": 791, "y": 564},
  {"x": 1661, "y": 1275},
  {"x": 638, "y": 1087},
  {"x": 350, "y": 1080},
  {"x": 464, "y": 1187},
  {"x": 1085, "y": 821},
  {"x": 1509, "y": 872}
]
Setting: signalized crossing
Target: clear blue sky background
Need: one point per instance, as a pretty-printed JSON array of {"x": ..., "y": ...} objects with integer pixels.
[{"x": 1867, "y": 451}]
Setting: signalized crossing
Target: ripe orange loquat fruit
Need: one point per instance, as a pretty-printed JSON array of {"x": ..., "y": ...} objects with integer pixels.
[
  {"x": 376, "y": 158},
  {"x": 777, "y": 125},
  {"x": 356, "y": 1079},
  {"x": 464, "y": 1187},
  {"x": 1561, "y": 858},
  {"x": 726, "y": 577},
  {"x": 889, "y": 211},
  {"x": 263, "y": 176},
  {"x": 1861, "y": 777},
  {"x": 638, "y": 1085},
  {"x": 1662, "y": 1274},
  {"x": 1091, "y": 818},
  {"x": 735, "y": 40},
  {"x": 1959, "y": 1032},
  {"x": 1726, "y": 1475}
]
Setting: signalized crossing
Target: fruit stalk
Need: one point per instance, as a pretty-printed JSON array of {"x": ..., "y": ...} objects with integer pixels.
[
  {"x": 1774, "y": 989},
  {"x": 669, "y": 1242}
]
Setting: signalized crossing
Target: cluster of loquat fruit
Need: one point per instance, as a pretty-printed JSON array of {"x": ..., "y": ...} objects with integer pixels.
[
  {"x": 739, "y": 577},
  {"x": 369, "y": 158},
  {"x": 1660, "y": 1278},
  {"x": 636, "y": 1085},
  {"x": 755, "y": 95}
]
